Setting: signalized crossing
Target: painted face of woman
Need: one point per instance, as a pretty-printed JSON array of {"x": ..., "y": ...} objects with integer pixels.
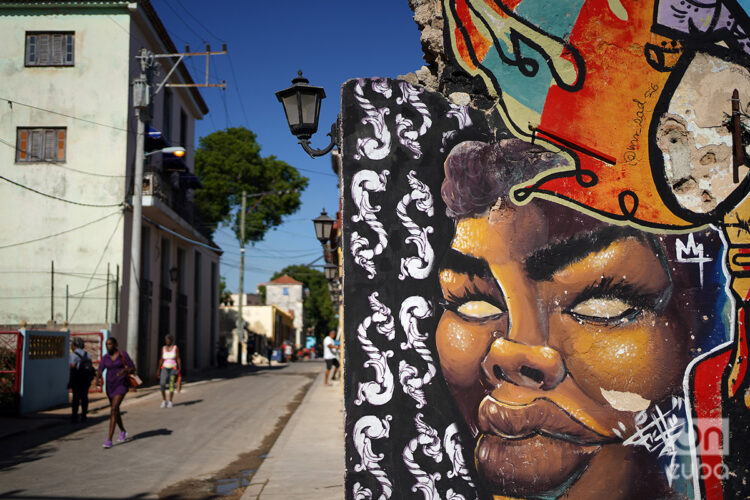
[{"x": 558, "y": 330}]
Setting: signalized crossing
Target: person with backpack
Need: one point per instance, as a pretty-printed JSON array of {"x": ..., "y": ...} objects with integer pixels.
[{"x": 81, "y": 375}]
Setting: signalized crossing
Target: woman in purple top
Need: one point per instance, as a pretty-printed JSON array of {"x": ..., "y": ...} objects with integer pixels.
[{"x": 118, "y": 365}]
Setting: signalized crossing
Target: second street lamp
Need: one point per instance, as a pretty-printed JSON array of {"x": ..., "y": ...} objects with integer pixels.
[{"x": 323, "y": 227}]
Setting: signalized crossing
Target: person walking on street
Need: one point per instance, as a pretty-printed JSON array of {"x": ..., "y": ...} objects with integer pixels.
[
  {"x": 170, "y": 366},
  {"x": 118, "y": 365},
  {"x": 330, "y": 355},
  {"x": 81, "y": 374},
  {"x": 288, "y": 352}
]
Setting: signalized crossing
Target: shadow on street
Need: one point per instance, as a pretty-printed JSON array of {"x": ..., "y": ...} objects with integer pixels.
[
  {"x": 20, "y": 448},
  {"x": 189, "y": 403},
  {"x": 19, "y": 494},
  {"x": 152, "y": 433}
]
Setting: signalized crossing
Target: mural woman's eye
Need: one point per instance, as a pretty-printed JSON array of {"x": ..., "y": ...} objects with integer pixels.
[
  {"x": 479, "y": 310},
  {"x": 604, "y": 310}
]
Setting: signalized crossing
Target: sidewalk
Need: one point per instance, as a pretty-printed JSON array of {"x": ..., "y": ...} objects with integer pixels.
[{"x": 307, "y": 461}]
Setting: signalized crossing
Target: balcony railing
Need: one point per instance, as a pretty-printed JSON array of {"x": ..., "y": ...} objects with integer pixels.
[{"x": 171, "y": 188}]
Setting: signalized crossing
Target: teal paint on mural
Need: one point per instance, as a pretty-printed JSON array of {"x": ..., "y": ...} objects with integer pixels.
[
  {"x": 745, "y": 4},
  {"x": 530, "y": 91},
  {"x": 556, "y": 18}
]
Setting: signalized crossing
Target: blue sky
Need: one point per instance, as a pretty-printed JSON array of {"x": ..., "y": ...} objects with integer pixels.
[{"x": 331, "y": 41}]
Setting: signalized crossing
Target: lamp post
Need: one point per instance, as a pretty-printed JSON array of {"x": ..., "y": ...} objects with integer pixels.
[{"x": 301, "y": 104}]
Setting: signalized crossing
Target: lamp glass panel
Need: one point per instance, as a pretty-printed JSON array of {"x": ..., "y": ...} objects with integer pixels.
[
  {"x": 309, "y": 105},
  {"x": 325, "y": 228},
  {"x": 319, "y": 230},
  {"x": 290, "y": 108}
]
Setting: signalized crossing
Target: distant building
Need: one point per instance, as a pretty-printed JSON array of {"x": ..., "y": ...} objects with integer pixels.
[
  {"x": 67, "y": 150},
  {"x": 264, "y": 325},
  {"x": 286, "y": 292}
]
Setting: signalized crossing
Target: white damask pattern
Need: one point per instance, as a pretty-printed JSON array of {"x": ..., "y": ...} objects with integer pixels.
[
  {"x": 363, "y": 183},
  {"x": 455, "y": 452},
  {"x": 366, "y": 429},
  {"x": 429, "y": 440},
  {"x": 378, "y": 147},
  {"x": 417, "y": 267},
  {"x": 408, "y": 135},
  {"x": 380, "y": 391},
  {"x": 461, "y": 113},
  {"x": 413, "y": 309}
]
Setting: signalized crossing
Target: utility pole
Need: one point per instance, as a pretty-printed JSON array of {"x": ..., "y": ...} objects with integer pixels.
[
  {"x": 241, "y": 319},
  {"x": 142, "y": 105},
  {"x": 141, "y": 102}
]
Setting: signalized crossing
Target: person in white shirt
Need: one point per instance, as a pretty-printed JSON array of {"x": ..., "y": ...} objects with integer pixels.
[{"x": 330, "y": 355}]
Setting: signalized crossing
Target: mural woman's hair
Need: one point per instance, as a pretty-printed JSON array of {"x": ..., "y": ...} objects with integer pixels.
[{"x": 477, "y": 174}]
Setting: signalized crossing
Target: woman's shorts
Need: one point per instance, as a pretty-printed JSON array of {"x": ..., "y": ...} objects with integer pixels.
[{"x": 168, "y": 375}]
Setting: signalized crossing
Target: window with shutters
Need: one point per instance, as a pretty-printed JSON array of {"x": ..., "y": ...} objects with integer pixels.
[
  {"x": 54, "y": 48},
  {"x": 40, "y": 144}
]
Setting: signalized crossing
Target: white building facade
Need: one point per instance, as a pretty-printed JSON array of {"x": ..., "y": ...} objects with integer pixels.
[
  {"x": 287, "y": 293},
  {"x": 67, "y": 156}
]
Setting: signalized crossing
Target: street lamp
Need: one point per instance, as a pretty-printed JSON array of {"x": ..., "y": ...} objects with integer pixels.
[
  {"x": 178, "y": 151},
  {"x": 301, "y": 104},
  {"x": 331, "y": 271},
  {"x": 323, "y": 227}
]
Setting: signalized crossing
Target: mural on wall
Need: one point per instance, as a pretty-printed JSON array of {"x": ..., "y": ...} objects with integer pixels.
[{"x": 547, "y": 264}]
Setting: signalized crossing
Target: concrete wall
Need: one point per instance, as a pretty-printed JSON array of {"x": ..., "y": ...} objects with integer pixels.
[
  {"x": 94, "y": 89},
  {"x": 44, "y": 382},
  {"x": 506, "y": 208}
]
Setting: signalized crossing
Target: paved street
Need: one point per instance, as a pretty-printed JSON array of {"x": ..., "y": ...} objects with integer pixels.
[{"x": 209, "y": 434}]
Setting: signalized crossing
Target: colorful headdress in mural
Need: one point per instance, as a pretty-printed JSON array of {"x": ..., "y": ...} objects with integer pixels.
[{"x": 595, "y": 78}]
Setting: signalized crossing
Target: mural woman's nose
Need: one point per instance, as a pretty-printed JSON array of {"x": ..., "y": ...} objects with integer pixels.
[{"x": 534, "y": 366}]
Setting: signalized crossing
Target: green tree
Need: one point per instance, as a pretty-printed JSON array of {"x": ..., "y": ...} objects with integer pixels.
[
  {"x": 225, "y": 296},
  {"x": 228, "y": 162},
  {"x": 319, "y": 314}
]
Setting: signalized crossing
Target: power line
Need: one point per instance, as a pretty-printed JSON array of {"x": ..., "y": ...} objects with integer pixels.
[
  {"x": 101, "y": 257},
  {"x": 60, "y": 199},
  {"x": 114, "y": 127},
  {"x": 237, "y": 88},
  {"x": 58, "y": 234},
  {"x": 199, "y": 23},
  {"x": 57, "y": 163},
  {"x": 184, "y": 23}
]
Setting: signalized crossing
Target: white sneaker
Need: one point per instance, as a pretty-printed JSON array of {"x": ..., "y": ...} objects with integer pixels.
[
  {"x": 169, "y": 404},
  {"x": 163, "y": 404}
]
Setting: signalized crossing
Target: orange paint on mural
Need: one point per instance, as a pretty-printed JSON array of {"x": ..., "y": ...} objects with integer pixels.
[
  {"x": 479, "y": 43},
  {"x": 612, "y": 112}
]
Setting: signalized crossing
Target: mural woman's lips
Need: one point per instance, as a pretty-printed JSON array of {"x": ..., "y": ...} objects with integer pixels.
[{"x": 541, "y": 416}]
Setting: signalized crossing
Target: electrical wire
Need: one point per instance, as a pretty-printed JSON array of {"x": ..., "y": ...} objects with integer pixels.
[
  {"x": 237, "y": 88},
  {"x": 184, "y": 23},
  {"x": 57, "y": 163},
  {"x": 101, "y": 257},
  {"x": 114, "y": 127},
  {"x": 10, "y": 245},
  {"x": 199, "y": 23},
  {"x": 61, "y": 199}
]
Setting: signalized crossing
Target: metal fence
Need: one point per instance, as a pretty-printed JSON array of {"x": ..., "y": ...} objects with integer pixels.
[{"x": 11, "y": 360}]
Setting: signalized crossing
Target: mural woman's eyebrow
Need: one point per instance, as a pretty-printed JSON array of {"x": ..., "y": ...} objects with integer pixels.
[
  {"x": 465, "y": 264},
  {"x": 545, "y": 262}
]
